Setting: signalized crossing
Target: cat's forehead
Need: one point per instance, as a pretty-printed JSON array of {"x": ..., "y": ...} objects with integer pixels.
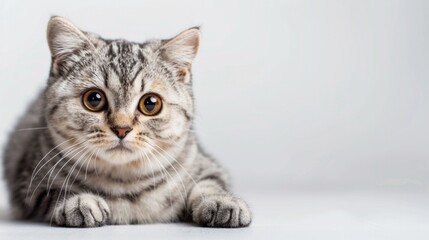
[
  {"x": 128, "y": 59},
  {"x": 123, "y": 58}
]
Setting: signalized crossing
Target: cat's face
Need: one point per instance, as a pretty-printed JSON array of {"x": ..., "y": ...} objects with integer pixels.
[{"x": 118, "y": 100}]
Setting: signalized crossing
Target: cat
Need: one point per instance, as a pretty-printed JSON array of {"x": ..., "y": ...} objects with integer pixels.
[{"x": 110, "y": 139}]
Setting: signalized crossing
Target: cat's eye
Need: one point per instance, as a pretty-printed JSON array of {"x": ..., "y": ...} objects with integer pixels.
[
  {"x": 94, "y": 100},
  {"x": 150, "y": 104}
]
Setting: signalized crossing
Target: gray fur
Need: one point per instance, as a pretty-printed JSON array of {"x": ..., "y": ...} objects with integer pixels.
[{"x": 59, "y": 162}]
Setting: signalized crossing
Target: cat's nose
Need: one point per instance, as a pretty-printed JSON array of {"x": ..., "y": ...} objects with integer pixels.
[{"x": 121, "y": 132}]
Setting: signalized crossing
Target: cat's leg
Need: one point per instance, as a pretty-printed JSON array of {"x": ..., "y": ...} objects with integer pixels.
[
  {"x": 82, "y": 210},
  {"x": 212, "y": 205}
]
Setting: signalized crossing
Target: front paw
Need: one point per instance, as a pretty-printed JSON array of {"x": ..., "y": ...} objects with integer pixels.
[
  {"x": 222, "y": 211},
  {"x": 83, "y": 210}
]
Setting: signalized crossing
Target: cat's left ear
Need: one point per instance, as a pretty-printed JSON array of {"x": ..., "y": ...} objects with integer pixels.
[
  {"x": 65, "y": 41},
  {"x": 182, "y": 48}
]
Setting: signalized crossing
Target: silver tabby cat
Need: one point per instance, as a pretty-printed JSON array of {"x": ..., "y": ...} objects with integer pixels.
[{"x": 110, "y": 140}]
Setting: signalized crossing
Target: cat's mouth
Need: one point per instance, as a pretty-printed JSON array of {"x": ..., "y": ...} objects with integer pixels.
[{"x": 119, "y": 147}]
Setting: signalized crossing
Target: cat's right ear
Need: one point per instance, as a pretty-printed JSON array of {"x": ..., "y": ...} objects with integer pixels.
[{"x": 65, "y": 40}]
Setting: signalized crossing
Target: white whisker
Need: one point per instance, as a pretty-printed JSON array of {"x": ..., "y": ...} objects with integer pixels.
[
  {"x": 71, "y": 173},
  {"x": 40, "y": 161},
  {"x": 87, "y": 165},
  {"x": 70, "y": 159},
  {"x": 151, "y": 168},
  {"x": 171, "y": 177},
  {"x": 62, "y": 186},
  {"x": 66, "y": 149},
  {"x": 174, "y": 160},
  {"x": 50, "y": 172},
  {"x": 164, "y": 176},
  {"x": 29, "y": 129}
]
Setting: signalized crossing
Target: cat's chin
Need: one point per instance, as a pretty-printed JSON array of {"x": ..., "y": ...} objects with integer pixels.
[
  {"x": 120, "y": 148},
  {"x": 120, "y": 155}
]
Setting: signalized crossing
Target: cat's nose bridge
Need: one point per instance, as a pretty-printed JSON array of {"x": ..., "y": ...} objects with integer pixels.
[{"x": 121, "y": 119}]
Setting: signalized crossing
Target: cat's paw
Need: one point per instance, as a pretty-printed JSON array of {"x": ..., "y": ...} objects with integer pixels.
[
  {"x": 83, "y": 210},
  {"x": 222, "y": 211}
]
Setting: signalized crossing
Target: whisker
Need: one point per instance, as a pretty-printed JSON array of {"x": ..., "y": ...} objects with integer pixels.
[
  {"x": 50, "y": 172},
  {"x": 180, "y": 178},
  {"x": 163, "y": 171},
  {"x": 87, "y": 165},
  {"x": 40, "y": 161},
  {"x": 70, "y": 159},
  {"x": 151, "y": 168},
  {"x": 29, "y": 129},
  {"x": 174, "y": 160},
  {"x": 95, "y": 167},
  {"x": 62, "y": 186},
  {"x": 71, "y": 173},
  {"x": 56, "y": 164},
  {"x": 33, "y": 175}
]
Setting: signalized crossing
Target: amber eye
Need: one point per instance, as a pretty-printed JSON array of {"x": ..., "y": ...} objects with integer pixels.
[
  {"x": 94, "y": 100},
  {"x": 150, "y": 104}
]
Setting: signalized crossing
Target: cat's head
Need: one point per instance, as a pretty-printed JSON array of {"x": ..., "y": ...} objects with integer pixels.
[{"x": 115, "y": 98}]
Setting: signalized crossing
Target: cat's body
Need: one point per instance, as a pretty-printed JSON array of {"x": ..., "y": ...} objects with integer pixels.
[{"x": 131, "y": 156}]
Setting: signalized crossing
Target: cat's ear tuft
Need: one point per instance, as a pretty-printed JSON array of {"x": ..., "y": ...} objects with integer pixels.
[
  {"x": 64, "y": 38},
  {"x": 182, "y": 48}
]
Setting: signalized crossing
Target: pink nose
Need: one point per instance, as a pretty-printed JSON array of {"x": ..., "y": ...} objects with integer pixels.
[{"x": 121, "y": 132}]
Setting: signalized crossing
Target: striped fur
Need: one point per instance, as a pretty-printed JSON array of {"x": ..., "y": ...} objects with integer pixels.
[{"x": 61, "y": 164}]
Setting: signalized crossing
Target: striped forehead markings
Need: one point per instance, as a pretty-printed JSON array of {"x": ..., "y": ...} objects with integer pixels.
[{"x": 125, "y": 59}]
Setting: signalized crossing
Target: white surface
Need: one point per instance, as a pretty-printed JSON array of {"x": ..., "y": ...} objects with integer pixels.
[{"x": 295, "y": 215}]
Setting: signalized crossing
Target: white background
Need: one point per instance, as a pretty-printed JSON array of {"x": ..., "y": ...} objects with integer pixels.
[{"x": 292, "y": 96}]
